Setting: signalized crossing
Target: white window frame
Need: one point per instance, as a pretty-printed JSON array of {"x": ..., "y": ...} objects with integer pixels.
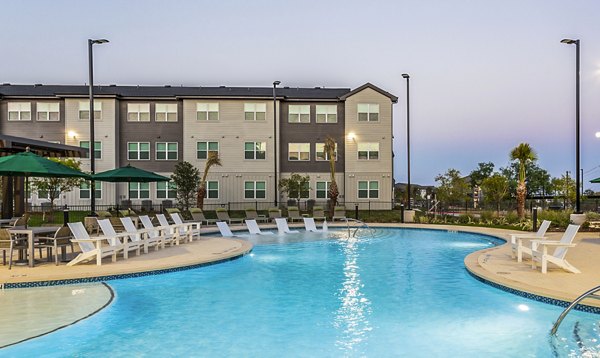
[
  {"x": 298, "y": 148},
  {"x": 208, "y": 182},
  {"x": 254, "y": 190},
  {"x": 138, "y": 151},
  {"x": 163, "y": 193},
  {"x": 50, "y": 108},
  {"x": 166, "y": 109},
  {"x": 138, "y": 190},
  {"x": 167, "y": 150},
  {"x": 327, "y": 185},
  {"x": 368, "y": 149},
  {"x": 254, "y": 150},
  {"x": 369, "y": 109},
  {"x": 96, "y": 143},
  {"x": 327, "y": 110},
  {"x": 19, "y": 108},
  {"x": 358, "y": 189},
  {"x": 253, "y": 110},
  {"x": 208, "y": 150},
  {"x": 85, "y": 107},
  {"x": 98, "y": 189},
  {"x": 137, "y": 110},
  {"x": 319, "y": 149},
  {"x": 299, "y": 110},
  {"x": 206, "y": 110}
]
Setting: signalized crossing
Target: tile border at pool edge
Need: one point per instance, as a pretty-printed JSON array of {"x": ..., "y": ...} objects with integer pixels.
[{"x": 71, "y": 281}]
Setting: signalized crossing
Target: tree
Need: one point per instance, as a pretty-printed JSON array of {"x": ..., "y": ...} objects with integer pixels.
[
  {"x": 212, "y": 159},
  {"x": 185, "y": 176},
  {"x": 565, "y": 188},
  {"x": 329, "y": 149},
  {"x": 495, "y": 189},
  {"x": 453, "y": 188},
  {"x": 538, "y": 179},
  {"x": 54, "y": 187},
  {"x": 483, "y": 171},
  {"x": 523, "y": 154},
  {"x": 296, "y": 186}
]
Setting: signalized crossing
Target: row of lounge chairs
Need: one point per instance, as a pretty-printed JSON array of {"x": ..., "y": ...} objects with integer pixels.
[
  {"x": 274, "y": 213},
  {"x": 539, "y": 245},
  {"x": 282, "y": 228}
]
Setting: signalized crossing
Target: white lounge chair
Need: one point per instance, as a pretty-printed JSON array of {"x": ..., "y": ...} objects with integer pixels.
[
  {"x": 539, "y": 250},
  {"x": 516, "y": 240},
  {"x": 311, "y": 226},
  {"x": 254, "y": 229},
  {"x": 141, "y": 236},
  {"x": 163, "y": 232},
  {"x": 114, "y": 239},
  {"x": 181, "y": 230},
  {"x": 192, "y": 227},
  {"x": 91, "y": 248},
  {"x": 283, "y": 228},
  {"x": 226, "y": 231}
]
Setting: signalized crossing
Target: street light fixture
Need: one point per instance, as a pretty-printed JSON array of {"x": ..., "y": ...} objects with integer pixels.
[
  {"x": 275, "y": 84},
  {"x": 577, "y": 142},
  {"x": 407, "y": 77},
  {"x": 92, "y": 142}
]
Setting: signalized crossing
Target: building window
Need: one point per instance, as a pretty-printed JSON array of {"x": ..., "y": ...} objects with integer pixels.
[
  {"x": 166, "y": 112},
  {"x": 299, "y": 151},
  {"x": 138, "y": 112},
  {"x": 138, "y": 151},
  {"x": 368, "y": 189},
  {"x": 203, "y": 148},
  {"x": 84, "y": 111},
  {"x": 19, "y": 111},
  {"x": 368, "y": 112},
  {"x": 207, "y": 111},
  {"x": 139, "y": 190},
  {"x": 326, "y": 114},
  {"x": 166, "y": 190},
  {"x": 212, "y": 189},
  {"x": 166, "y": 150},
  {"x": 368, "y": 151},
  {"x": 97, "y": 148},
  {"x": 85, "y": 192},
  {"x": 299, "y": 114},
  {"x": 323, "y": 189},
  {"x": 255, "y": 111},
  {"x": 255, "y": 150},
  {"x": 47, "y": 111},
  {"x": 255, "y": 190},
  {"x": 320, "y": 152}
]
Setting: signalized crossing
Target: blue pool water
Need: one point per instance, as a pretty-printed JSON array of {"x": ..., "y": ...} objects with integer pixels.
[{"x": 400, "y": 292}]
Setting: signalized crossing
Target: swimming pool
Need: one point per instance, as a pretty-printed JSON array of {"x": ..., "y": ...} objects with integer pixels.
[{"x": 400, "y": 292}]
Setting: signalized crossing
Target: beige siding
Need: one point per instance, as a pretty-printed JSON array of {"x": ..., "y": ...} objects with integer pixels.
[
  {"x": 314, "y": 178},
  {"x": 385, "y": 190}
]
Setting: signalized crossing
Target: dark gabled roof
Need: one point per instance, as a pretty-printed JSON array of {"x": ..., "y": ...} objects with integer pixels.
[
  {"x": 317, "y": 93},
  {"x": 373, "y": 87},
  {"x": 10, "y": 144}
]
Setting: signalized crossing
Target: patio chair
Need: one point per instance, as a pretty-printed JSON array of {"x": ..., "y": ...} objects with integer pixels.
[
  {"x": 136, "y": 235},
  {"x": 318, "y": 213},
  {"x": 114, "y": 239},
  {"x": 254, "y": 229},
  {"x": 294, "y": 214},
  {"x": 154, "y": 232},
  {"x": 252, "y": 214},
  {"x": 274, "y": 213},
  {"x": 282, "y": 227},
  {"x": 516, "y": 240},
  {"x": 192, "y": 227},
  {"x": 91, "y": 248},
  {"x": 198, "y": 216},
  {"x": 310, "y": 226},
  {"x": 62, "y": 239},
  {"x": 223, "y": 215},
  {"x": 226, "y": 231},
  {"x": 22, "y": 221},
  {"x": 558, "y": 256},
  {"x": 181, "y": 230},
  {"x": 10, "y": 243},
  {"x": 339, "y": 213}
]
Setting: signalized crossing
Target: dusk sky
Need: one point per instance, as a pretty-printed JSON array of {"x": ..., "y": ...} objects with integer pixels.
[{"x": 485, "y": 75}]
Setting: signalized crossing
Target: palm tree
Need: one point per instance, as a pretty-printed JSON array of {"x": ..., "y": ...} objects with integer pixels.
[
  {"x": 329, "y": 149},
  {"x": 524, "y": 154},
  {"x": 211, "y": 160}
]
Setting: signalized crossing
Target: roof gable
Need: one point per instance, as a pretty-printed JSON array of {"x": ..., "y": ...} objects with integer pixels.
[{"x": 374, "y": 88}]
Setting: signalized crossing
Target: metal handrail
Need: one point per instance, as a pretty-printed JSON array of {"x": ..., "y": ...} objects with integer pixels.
[
  {"x": 356, "y": 221},
  {"x": 562, "y": 316}
]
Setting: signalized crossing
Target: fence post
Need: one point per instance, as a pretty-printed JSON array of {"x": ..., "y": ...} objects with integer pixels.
[
  {"x": 535, "y": 228},
  {"x": 228, "y": 206},
  {"x": 369, "y": 208},
  {"x": 402, "y": 213},
  {"x": 65, "y": 215},
  {"x": 356, "y": 211}
]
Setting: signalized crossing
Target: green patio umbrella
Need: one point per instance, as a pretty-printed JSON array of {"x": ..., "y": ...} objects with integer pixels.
[
  {"x": 27, "y": 164},
  {"x": 597, "y": 180},
  {"x": 129, "y": 174}
]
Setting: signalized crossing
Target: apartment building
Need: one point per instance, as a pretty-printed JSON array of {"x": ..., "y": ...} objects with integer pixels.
[{"x": 257, "y": 138}]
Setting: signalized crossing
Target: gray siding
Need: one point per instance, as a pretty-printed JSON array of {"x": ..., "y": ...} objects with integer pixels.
[{"x": 52, "y": 131}]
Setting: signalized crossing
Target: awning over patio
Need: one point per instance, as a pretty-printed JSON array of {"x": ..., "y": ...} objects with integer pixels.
[{"x": 11, "y": 145}]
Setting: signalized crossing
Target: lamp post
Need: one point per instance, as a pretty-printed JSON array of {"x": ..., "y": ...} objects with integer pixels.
[
  {"x": 577, "y": 142},
  {"x": 275, "y": 84},
  {"x": 92, "y": 142},
  {"x": 407, "y": 77}
]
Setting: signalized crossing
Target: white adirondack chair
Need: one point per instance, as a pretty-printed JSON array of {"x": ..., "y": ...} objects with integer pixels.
[
  {"x": 140, "y": 236},
  {"x": 539, "y": 249},
  {"x": 91, "y": 248},
  {"x": 115, "y": 239},
  {"x": 516, "y": 240}
]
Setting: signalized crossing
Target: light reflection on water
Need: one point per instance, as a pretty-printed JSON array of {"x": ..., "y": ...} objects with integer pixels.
[{"x": 352, "y": 317}]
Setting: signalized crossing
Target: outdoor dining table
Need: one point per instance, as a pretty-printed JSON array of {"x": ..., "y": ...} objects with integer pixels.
[
  {"x": 4, "y": 222},
  {"x": 31, "y": 232}
]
